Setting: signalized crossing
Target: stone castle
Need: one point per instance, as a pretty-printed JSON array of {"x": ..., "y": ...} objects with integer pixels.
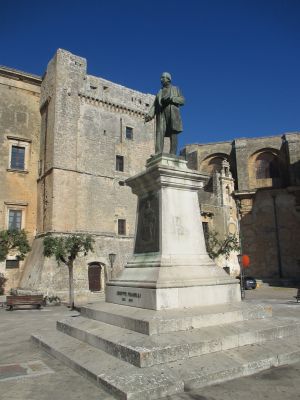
[{"x": 69, "y": 140}]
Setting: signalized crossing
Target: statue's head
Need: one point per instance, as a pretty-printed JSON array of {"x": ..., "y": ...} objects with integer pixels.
[{"x": 165, "y": 78}]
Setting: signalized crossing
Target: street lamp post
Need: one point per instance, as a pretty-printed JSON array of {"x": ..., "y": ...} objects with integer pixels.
[
  {"x": 112, "y": 258},
  {"x": 240, "y": 258}
]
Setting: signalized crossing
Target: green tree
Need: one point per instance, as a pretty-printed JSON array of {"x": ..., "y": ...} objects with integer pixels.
[
  {"x": 216, "y": 247},
  {"x": 13, "y": 240},
  {"x": 2, "y": 283},
  {"x": 66, "y": 249}
]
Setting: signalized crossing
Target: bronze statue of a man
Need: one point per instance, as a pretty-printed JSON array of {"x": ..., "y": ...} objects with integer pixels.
[{"x": 166, "y": 109}]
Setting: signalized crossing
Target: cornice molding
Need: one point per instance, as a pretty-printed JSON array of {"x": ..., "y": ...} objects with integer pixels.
[{"x": 111, "y": 106}]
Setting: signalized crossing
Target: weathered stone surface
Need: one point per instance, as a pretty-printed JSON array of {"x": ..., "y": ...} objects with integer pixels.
[
  {"x": 152, "y": 322},
  {"x": 122, "y": 379},
  {"x": 269, "y": 256},
  {"x": 145, "y": 351},
  {"x": 231, "y": 364},
  {"x": 129, "y": 382}
]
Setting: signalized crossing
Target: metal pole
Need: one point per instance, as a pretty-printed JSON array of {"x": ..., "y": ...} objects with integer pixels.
[
  {"x": 112, "y": 257},
  {"x": 242, "y": 283},
  {"x": 239, "y": 217},
  {"x": 241, "y": 277}
]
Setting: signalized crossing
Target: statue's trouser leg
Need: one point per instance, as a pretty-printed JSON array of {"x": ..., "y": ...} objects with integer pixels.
[
  {"x": 173, "y": 143},
  {"x": 159, "y": 145}
]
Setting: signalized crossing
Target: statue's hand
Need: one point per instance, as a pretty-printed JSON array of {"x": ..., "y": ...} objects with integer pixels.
[
  {"x": 148, "y": 118},
  {"x": 166, "y": 101}
]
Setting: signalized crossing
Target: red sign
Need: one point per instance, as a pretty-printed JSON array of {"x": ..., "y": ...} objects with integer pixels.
[{"x": 245, "y": 261}]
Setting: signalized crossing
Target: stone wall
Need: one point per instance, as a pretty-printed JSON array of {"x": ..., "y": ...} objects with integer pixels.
[
  {"x": 270, "y": 233},
  {"x": 19, "y": 126},
  {"x": 292, "y": 142},
  {"x": 244, "y": 149},
  {"x": 265, "y": 237}
]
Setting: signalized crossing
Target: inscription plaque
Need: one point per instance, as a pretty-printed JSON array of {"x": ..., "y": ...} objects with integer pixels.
[
  {"x": 128, "y": 296},
  {"x": 147, "y": 236}
]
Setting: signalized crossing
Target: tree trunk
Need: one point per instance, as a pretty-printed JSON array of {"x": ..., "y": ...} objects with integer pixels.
[{"x": 71, "y": 286}]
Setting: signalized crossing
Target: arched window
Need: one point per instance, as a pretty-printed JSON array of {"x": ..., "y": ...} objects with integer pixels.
[
  {"x": 213, "y": 163},
  {"x": 267, "y": 166},
  {"x": 265, "y": 169}
]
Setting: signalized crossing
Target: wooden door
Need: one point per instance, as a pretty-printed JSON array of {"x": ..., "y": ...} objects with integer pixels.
[{"x": 94, "y": 273}]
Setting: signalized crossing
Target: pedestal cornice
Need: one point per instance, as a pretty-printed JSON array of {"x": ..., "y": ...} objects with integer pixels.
[{"x": 165, "y": 170}]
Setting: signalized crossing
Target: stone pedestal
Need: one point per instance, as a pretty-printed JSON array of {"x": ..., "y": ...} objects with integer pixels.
[{"x": 170, "y": 267}]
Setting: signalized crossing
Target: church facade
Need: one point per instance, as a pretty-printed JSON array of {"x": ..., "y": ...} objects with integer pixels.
[{"x": 266, "y": 193}]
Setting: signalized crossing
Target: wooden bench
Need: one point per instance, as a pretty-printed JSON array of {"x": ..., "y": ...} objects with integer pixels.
[
  {"x": 297, "y": 297},
  {"x": 24, "y": 300}
]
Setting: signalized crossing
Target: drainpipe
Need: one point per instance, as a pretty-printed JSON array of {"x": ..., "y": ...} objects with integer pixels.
[{"x": 277, "y": 237}]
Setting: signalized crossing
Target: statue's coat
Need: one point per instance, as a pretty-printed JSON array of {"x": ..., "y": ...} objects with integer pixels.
[{"x": 157, "y": 109}]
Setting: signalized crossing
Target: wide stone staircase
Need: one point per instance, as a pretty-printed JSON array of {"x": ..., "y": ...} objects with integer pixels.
[{"x": 145, "y": 354}]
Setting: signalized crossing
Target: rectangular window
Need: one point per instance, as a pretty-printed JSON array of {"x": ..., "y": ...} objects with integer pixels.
[
  {"x": 17, "y": 160},
  {"x": 129, "y": 133},
  {"x": 119, "y": 163},
  {"x": 121, "y": 226},
  {"x": 15, "y": 219},
  {"x": 12, "y": 264}
]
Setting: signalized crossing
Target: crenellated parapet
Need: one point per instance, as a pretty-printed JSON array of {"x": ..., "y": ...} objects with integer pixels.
[
  {"x": 111, "y": 106},
  {"x": 115, "y": 97}
]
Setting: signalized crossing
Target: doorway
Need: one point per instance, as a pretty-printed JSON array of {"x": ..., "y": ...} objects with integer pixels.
[{"x": 94, "y": 275}]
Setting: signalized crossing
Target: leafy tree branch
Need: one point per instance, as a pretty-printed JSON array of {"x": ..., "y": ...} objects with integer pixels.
[
  {"x": 66, "y": 249},
  {"x": 13, "y": 240},
  {"x": 216, "y": 247}
]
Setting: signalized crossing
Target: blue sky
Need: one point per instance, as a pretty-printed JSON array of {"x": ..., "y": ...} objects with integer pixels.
[{"x": 237, "y": 62}]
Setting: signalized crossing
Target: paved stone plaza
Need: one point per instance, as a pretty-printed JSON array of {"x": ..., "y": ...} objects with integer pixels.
[{"x": 26, "y": 372}]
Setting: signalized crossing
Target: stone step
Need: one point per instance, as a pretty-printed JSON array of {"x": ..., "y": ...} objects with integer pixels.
[
  {"x": 126, "y": 381},
  {"x": 144, "y": 351},
  {"x": 121, "y": 379},
  {"x": 151, "y": 322},
  {"x": 231, "y": 364},
  {"x": 96, "y": 296}
]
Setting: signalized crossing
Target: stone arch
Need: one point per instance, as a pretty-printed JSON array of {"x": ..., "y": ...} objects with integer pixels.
[
  {"x": 264, "y": 169},
  {"x": 97, "y": 276},
  {"x": 213, "y": 163}
]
